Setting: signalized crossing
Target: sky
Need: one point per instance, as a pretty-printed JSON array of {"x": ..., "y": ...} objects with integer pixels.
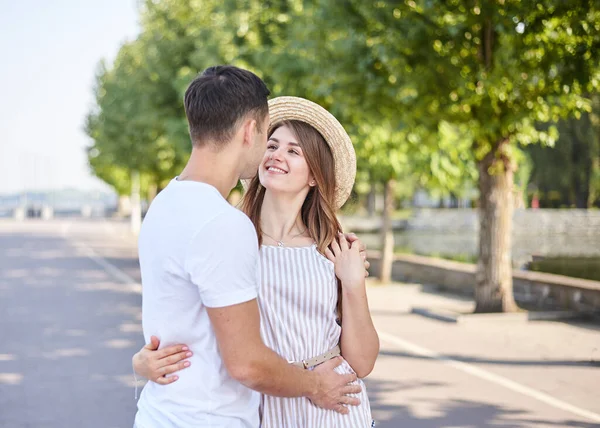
[{"x": 49, "y": 54}]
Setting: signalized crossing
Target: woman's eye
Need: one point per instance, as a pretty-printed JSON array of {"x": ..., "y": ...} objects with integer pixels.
[
  {"x": 271, "y": 147},
  {"x": 294, "y": 152}
]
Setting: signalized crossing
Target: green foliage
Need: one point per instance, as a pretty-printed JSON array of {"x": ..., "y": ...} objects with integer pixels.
[
  {"x": 425, "y": 88},
  {"x": 127, "y": 126},
  {"x": 497, "y": 67}
]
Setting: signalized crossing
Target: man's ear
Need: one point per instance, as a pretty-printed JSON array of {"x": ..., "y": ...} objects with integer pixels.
[{"x": 249, "y": 132}]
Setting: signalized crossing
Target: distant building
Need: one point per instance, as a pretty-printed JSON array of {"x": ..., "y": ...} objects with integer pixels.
[{"x": 58, "y": 203}]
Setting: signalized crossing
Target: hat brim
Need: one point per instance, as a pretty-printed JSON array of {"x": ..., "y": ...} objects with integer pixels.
[{"x": 344, "y": 157}]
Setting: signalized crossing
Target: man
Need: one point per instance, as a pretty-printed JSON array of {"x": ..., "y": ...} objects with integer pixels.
[{"x": 198, "y": 258}]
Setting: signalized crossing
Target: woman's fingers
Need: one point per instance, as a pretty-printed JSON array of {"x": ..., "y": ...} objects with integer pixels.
[
  {"x": 329, "y": 255},
  {"x": 166, "y": 380},
  {"x": 361, "y": 246},
  {"x": 335, "y": 246},
  {"x": 170, "y": 350},
  {"x": 154, "y": 344},
  {"x": 172, "y": 368},
  {"x": 343, "y": 242},
  {"x": 175, "y": 358},
  {"x": 351, "y": 237}
]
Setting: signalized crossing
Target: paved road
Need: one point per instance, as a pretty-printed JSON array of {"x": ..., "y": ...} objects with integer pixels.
[
  {"x": 70, "y": 321},
  {"x": 68, "y": 330}
]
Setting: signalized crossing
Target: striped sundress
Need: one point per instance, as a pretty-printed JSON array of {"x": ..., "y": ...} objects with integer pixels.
[{"x": 298, "y": 298}]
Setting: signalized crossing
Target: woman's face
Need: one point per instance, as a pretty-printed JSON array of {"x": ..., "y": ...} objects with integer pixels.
[{"x": 284, "y": 168}]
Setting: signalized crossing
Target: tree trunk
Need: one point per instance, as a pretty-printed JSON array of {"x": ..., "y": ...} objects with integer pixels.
[
  {"x": 494, "y": 287},
  {"x": 453, "y": 200},
  {"x": 371, "y": 200},
  {"x": 582, "y": 192},
  {"x": 152, "y": 192},
  {"x": 582, "y": 160},
  {"x": 387, "y": 234},
  {"x": 595, "y": 142},
  {"x": 136, "y": 206},
  {"x": 123, "y": 206}
]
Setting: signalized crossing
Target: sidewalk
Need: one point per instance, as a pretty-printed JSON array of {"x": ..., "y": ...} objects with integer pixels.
[
  {"x": 536, "y": 340},
  {"x": 438, "y": 372}
]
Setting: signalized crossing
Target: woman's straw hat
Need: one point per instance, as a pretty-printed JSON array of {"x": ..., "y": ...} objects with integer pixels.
[{"x": 344, "y": 158}]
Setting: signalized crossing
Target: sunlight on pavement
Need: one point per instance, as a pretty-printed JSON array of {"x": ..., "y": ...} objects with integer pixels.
[
  {"x": 119, "y": 343},
  {"x": 11, "y": 378},
  {"x": 62, "y": 353}
]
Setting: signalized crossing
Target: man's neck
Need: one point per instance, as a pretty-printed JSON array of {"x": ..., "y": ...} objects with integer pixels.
[{"x": 216, "y": 168}]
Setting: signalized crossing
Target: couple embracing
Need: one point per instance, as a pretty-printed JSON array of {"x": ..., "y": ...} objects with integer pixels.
[{"x": 259, "y": 316}]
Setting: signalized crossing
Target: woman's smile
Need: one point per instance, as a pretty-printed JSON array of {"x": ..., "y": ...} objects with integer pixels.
[{"x": 275, "y": 170}]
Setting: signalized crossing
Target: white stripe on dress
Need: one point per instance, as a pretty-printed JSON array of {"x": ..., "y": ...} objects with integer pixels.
[{"x": 298, "y": 300}]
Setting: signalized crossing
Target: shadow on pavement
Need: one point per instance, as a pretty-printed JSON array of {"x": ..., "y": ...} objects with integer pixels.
[
  {"x": 467, "y": 359},
  {"x": 464, "y": 414},
  {"x": 448, "y": 412},
  {"x": 68, "y": 333}
]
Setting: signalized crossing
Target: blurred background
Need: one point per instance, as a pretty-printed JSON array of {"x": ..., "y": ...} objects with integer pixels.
[
  {"x": 92, "y": 109},
  {"x": 476, "y": 126}
]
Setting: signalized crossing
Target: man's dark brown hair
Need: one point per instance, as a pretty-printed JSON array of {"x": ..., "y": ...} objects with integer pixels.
[{"x": 219, "y": 98}]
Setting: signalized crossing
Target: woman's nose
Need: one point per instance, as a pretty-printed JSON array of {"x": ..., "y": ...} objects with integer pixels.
[{"x": 276, "y": 155}]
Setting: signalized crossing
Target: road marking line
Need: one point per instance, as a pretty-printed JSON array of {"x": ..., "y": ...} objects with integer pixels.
[
  {"x": 64, "y": 229},
  {"x": 132, "y": 284},
  {"x": 108, "y": 227},
  {"x": 489, "y": 376}
]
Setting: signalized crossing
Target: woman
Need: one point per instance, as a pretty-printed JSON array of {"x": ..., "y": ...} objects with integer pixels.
[{"x": 312, "y": 294}]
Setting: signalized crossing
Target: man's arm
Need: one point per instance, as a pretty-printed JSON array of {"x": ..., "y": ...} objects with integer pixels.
[{"x": 252, "y": 363}]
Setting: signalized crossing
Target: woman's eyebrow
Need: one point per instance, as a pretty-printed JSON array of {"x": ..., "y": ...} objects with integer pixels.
[{"x": 291, "y": 143}]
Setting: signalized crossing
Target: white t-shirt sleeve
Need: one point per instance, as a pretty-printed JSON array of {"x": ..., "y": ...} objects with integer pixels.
[{"x": 222, "y": 259}]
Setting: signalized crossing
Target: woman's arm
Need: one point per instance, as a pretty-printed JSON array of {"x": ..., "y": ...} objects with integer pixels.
[
  {"x": 359, "y": 342},
  {"x": 155, "y": 364}
]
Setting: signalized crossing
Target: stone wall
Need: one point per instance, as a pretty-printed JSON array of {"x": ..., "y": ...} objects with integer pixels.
[
  {"x": 528, "y": 222},
  {"x": 550, "y": 233},
  {"x": 531, "y": 289},
  {"x": 525, "y": 221}
]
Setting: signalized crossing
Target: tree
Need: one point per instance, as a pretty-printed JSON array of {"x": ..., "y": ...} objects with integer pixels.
[
  {"x": 424, "y": 88},
  {"x": 138, "y": 124},
  {"x": 300, "y": 51},
  {"x": 497, "y": 68}
]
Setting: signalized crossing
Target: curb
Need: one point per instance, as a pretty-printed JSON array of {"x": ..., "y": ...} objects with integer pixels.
[{"x": 449, "y": 316}]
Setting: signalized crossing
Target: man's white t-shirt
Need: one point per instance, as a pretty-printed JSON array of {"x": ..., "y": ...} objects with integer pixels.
[{"x": 196, "y": 251}]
